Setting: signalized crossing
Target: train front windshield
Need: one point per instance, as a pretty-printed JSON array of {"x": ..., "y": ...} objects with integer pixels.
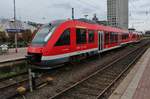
[{"x": 43, "y": 34}]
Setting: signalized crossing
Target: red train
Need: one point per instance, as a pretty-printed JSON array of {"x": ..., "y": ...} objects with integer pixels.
[{"x": 62, "y": 41}]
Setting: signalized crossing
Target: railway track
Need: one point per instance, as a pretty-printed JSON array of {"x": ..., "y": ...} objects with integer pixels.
[
  {"x": 13, "y": 76},
  {"x": 8, "y": 86},
  {"x": 12, "y": 80},
  {"x": 11, "y": 89},
  {"x": 99, "y": 85},
  {"x": 8, "y": 89}
]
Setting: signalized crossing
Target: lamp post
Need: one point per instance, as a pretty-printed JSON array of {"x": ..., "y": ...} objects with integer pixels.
[
  {"x": 16, "y": 49},
  {"x": 72, "y": 13}
]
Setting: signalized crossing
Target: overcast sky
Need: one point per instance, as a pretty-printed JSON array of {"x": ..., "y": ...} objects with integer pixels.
[{"x": 47, "y": 10}]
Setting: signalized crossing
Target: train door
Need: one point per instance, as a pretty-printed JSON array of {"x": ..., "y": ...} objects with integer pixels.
[
  {"x": 100, "y": 40},
  {"x": 119, "y": 38},
  {"x": 81, "y": 39}
]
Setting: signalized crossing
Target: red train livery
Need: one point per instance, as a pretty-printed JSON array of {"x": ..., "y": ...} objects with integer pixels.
[{"x": 61, "y": 41}]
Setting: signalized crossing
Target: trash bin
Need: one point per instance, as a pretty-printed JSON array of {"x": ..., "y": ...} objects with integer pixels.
[{"x": 3, "y": 48}]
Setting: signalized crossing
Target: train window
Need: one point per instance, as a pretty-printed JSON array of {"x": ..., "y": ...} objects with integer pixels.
[
  {"x": 116, "y": 37},
  {"x": 133, "y": 36},
  {"x": 113, "y": 37},
  {"x": 125, "y": 36},
  {"x": 106, "y": 38},
  {"x": 64, "y": 39},
  {"x": 43, "y": 34},
  {"x": 90, "y": 36},
  {"x": 81, "y": 36}
]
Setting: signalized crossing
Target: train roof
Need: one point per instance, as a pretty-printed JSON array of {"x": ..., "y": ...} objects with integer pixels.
[
  {"x": 87, "y": 22},
  {"x": 105, "y": 28},
  {"x": 57, "y": 22},
  {"x": 81, "y": 20}
]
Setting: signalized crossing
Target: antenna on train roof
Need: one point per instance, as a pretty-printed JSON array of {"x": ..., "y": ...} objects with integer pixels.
[{"x": 86, "y": 16}]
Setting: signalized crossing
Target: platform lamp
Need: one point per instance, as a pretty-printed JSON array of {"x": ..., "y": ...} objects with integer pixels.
[{"x": 16, "y": 48}]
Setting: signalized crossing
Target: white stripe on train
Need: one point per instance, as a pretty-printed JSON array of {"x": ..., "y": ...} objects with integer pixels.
[
  {"x": 67, "y": 54},
  {"x": 79, "y": 52}
]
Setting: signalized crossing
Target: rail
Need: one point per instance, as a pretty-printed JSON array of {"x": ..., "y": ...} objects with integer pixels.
[{"x": 70, "y": 91}]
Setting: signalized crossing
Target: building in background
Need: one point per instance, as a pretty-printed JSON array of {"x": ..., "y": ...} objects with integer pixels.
[
  {"x": 24, "y": 34},
  {"x": 117, "y": 13}
]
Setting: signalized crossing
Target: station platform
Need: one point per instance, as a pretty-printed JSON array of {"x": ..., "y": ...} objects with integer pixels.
[
  {"x": 136, "y": 84},
  {"x": 12, "y": 55}
]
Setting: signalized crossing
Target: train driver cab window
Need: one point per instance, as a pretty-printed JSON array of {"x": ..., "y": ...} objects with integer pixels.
[
  {"x": 81, "y": 36},
  {"x": 91, "y": 36},
  {"x": 64, "y": 38}
]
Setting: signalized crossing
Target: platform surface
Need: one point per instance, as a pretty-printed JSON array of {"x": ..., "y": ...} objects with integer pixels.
[
  {"x": 137, "y": 83},
  {"x": 12, "y": 55}
]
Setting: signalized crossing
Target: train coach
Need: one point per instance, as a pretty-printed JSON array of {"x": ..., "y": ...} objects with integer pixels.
[{"x": 66, "y": 40}]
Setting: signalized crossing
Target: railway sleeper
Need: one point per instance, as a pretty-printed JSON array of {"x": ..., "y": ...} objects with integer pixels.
[
  {"x": 90, "y": 93},
  {"x": 91, "y": 87},
  {"x": 86, "y": 92},
  {"x": 101, "y": 84},
  {"x": 111, "y": 73},
  {"x": 97, "y": 86},
  {"x": 77, "y": 96},
  {"x": 106, "y": 73},
  {"x": 116, "y": 68},
  {"x": 106, "y": 76},
  {"x": 100, "y": 81}
]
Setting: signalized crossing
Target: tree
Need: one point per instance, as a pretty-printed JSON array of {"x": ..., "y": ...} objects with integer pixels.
[{"x": 3, "y": 37}]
